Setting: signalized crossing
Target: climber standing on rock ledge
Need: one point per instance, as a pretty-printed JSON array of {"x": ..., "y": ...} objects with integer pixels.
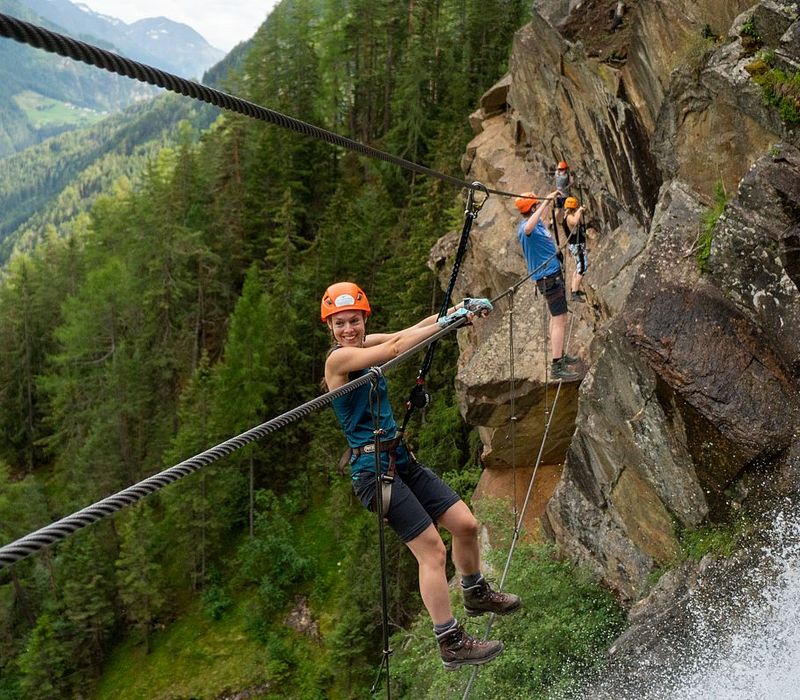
[
  {"x": 544, "y": 266},
  {"x": 575, "y": 230}
]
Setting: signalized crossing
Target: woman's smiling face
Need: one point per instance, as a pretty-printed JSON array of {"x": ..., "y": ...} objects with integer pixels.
[{"x": 348, "y": 328}]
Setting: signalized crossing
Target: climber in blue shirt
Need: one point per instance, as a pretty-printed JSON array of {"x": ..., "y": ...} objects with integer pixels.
[{"x": 543, "y": 259}]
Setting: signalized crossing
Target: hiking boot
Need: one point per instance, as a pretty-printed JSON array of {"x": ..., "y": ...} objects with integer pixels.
[
  {"x": 578, "y": 296},
  {"x": 559, "y": 370},
  {"x": 480, "y": 599},
  {"x": 460, "y": 649},
  {"x": 570, "y": 359}
]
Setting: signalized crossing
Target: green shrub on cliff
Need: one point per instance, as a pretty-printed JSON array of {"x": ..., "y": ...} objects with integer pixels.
[
  {"x": 703, "y": 245},
  {"x": 779, "y": 89}
]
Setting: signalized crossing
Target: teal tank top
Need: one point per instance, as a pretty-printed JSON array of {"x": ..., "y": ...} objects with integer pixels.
[{"x": 355, "y": 416}]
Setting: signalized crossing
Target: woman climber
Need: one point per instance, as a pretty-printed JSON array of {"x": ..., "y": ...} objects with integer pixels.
[
  {"x": 419, "y": 498},
  {"x": 574, "y": 228}
]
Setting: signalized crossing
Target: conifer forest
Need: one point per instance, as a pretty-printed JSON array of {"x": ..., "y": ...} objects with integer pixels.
[{"x": 181, "y": 308}]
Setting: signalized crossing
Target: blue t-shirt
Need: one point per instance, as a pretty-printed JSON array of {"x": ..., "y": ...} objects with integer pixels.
[{"x": 537, "y": 248}]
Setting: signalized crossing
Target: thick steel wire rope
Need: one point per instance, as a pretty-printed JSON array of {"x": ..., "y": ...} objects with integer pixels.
[
  {"x": 518, "y": 527},
  {"x": 41, "y": 38},
  {"x": 59, "y": 530}
]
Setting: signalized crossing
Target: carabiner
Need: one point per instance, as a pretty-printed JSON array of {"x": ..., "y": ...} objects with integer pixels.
[{"x": 473, "y": 205}]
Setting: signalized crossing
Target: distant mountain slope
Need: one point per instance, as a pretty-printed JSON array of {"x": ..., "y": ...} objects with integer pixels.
[
  {"x": 23, "y": 68},
  {"x": 85, "y": 93},
  {"x": 168, "y": 45},
  {"x": 54, "y": 182}
]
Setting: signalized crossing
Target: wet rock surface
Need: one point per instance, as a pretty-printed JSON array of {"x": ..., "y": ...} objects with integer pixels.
[{"x": 689, "y": 337}]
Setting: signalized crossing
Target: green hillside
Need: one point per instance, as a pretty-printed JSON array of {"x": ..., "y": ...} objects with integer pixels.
[
  {"x": 49, "y": 186},
  {"x": 42, "y": 111},
  {"x": 182, "y": 309},
  {"x": 27, "y": 70}
]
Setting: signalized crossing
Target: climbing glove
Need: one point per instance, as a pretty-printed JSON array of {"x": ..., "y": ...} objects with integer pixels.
[
  {"x": 450, "y": 319},
  {"x": 481, "y": 306}
]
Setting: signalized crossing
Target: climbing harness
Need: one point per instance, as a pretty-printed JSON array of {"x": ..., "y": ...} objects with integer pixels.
[{"x": 419, "y": 397}]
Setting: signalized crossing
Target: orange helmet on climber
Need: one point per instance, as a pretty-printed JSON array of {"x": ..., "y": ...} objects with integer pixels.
[
  {"x": 343, "y": 296},
  {"x": 526, "y": 202}
]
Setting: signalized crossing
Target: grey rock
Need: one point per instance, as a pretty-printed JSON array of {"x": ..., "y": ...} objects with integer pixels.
[
  {"x": 755, "y": 253},
  {"x": 630, "y": 459}
]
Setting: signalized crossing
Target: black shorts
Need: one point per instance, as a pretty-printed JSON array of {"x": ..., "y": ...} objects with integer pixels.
[
  {"x": 559, "y": 203},
  {"x": 552, "y": 288},
  {"x": 419, "y": 497}
]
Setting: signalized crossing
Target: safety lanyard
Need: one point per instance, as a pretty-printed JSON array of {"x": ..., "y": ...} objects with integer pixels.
[{"x": 419, "y": 397}]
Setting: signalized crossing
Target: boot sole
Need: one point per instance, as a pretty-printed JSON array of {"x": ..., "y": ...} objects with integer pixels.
[
  {"x": 566, "y": 379},
  {"x": 472, "y": 612},
  {"x": 453, "y": 665}
]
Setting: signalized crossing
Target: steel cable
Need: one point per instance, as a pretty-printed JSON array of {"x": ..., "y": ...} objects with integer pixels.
[
  {"x": 518, "y": 527},
  {"x": 59, "y": 530},
  {"x": 41, "y": 38}
]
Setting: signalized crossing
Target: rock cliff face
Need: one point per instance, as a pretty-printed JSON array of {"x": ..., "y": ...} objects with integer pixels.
[{"x": 690, "y": 338}]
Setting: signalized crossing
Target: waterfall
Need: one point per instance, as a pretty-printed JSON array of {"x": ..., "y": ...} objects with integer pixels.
[
  {"x": 759, "y": 657},
  {"x": 739, "y": 637}
]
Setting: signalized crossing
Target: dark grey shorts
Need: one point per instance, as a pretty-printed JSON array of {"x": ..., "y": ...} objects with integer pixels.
[
  {"x": 552, "y": 288},
  {"x": 419, "y": 497}
]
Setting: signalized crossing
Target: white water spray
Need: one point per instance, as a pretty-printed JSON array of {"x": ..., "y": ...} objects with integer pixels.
[
  {"x": 761, "y": 656},
  {"x": 740, "y": 646}
]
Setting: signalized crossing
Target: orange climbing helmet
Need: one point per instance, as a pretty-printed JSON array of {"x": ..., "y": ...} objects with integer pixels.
[
  {"x": 526, "y": 202},
  {"x": 343, "y": 296},
  {"x": 570, "y": 203},
  {"x": 562, "y": 165}
]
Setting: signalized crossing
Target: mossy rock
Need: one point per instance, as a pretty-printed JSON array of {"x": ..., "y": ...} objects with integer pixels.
[{"x": 757, "y": 67}]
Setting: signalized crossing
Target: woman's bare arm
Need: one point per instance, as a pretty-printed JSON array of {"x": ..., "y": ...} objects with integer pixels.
[{"x": 351, "y": 359}]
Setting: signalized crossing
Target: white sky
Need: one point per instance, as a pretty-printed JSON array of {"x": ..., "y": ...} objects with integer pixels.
[{"x": 223, "y": 23}]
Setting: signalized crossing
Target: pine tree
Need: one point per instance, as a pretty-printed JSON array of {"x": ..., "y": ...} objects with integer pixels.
[
  {"x": 23, "y": 509},
  {"x": 245, "y": 379},
  {"x": 87, "y": 595},
  {"x": 46, "y": 662},
  {"x": 202, "y": 508},
  {"x": 139, "y": 577}
]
